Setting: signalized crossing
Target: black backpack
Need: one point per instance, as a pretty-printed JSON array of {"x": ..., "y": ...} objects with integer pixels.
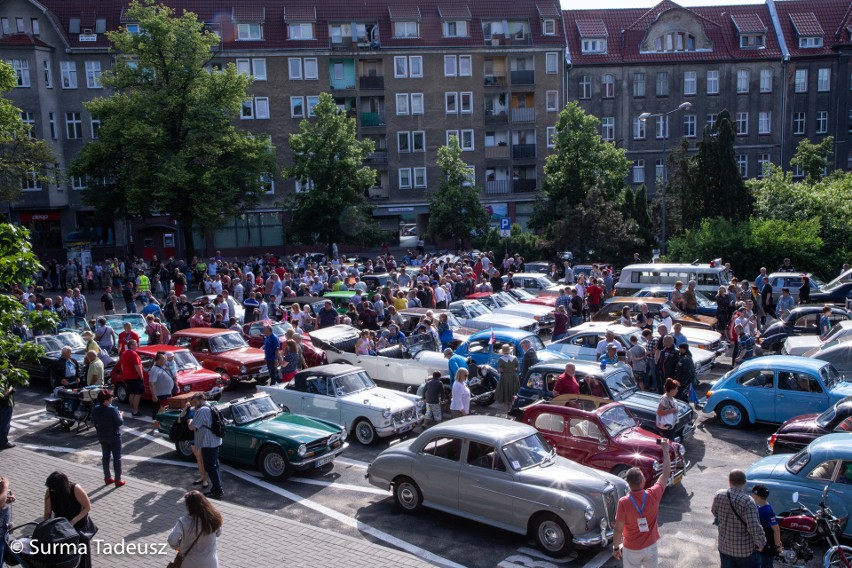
[{"x": 217, "y": 425}]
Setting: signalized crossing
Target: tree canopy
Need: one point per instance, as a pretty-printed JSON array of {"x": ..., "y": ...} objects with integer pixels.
[
  {"x": 813, "y": 159},
  {"x": 166, "y": 142}
]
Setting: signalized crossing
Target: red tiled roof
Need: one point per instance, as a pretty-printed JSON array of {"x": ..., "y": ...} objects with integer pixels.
[
  {"x": 404, "y": 12},
  {"x": 454, "y": 11},
  {"x": 87, "y": 19},
  {"x": 827, "y": 15},
  {"x": 300, "y": 14},
  {"x": 548, "y": 10},
  {"x": 749, "y": 24},
  {"x": 806, "y": 24},
  {"x": 249, "y": 12},
  {"x": 22, "y": 39},
  {"x": 592, "y": 28}
]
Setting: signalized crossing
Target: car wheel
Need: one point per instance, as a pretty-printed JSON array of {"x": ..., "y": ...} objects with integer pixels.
[
  {"x": 364, "y": 432},
  {"x": 732, "y": 414},
  {"x": 184, "y": 450},
  {"x": 620, "y": 471},
  {"x": 407, "y": 495},
  {"x": 227, "y": 383},
  {"x": 274, "y": 465},
  {"x": 121, "y": 393},
  {"x": 552, "y": 536}
]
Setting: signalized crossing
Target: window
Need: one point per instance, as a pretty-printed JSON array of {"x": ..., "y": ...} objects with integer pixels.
[
  {"x": 405, "y": 29},
  {"x": 551, "y": 63},
  {"x": 418, "y": 141},
  {"x": 465, "y": 66},
  {"x": 93, "y": 74},
  {"x": 712, "y": 82},
  {"x": 400, "y": 67},
  {"x": 552, "y": 100},
  {"x": 690, "y": 82},
  {"x": 416, "y": 103},
  {"x": 638, "y": 171},
  {"x": 742, "y": 165},
  {"x": 420, "y": 177},
  {"x": 764, "y": 122},
  {"x": 823, "y": 80},
  {"x": 450, "y": 66},
  {"x": 78, "y": 182},
  {"x": 549, "y": 26},
  {"x": 415, "y": 66},
  {"x": 766, "y": 80},
  {"x": 801, "y": 382},
  {"x": 249, "y": 32},
  {"x": 752, "y": 41},
  {"x": 810, "y": 42},
  {"x": 300, "y": 31},
  {"x": 48, "y": 76},
  {"x": 131, "y": 28},
  {"x": 584, "y": 428},
  {"x": 73, "y": 125},
  {"x": 403, "y": 142},
  {"x": 662, "y": 127},
  {"x": 451, "y": 101},
  {"x": 312, "y": 102},
  {"x": 663, "y": 84},
  {"x": 74, "y": 26},
  {"x": 760, "y": 379},
  {"x": 311, "y": 69},
  {"x": 457, "y": 28},
  {"x": 660, "y": 170},
  {"x": 585, "y": 87},
  {"x": 4, "y": 22},
  {"x": 19, "y": 25},
  {"x": 762, "y": 161},
  {"x": 608, "y": 86},
  {"x": 95, "y": 124},
  {"x": 743, "y": 77},
  {"x": 799, "y": 123},
  {"x": 639, "y": 128},
  {"x": 100, "y": 26},
  {"x": 295, "y": 66},
  {"x": 244, "y": 66},
  {"x": 304, "y": 186},
  {"x": 801, "y": 82},
  {"x": 471, "y": 177},
  {"x": 742, "y": 124},
  {"x": 297, "y": 107},
  {"x": 466, "y": 140},
  {"x": 550, "y": 422},
  {"x": 450, "y": 134},
  {"x": 551, "y": 136},
  {"x": 402, "y": 104},
  {"x": 822, "y": 122},
  {"x": 689, "y": 125},
  {"x": 593, "y": 46},
  {"x": 22, "y": 71},
  {"x": 247, "y": 110},
  {"x": 258, "y": 67},
  {"x": 261, "y": 107},
  {"x": 267, "y": 183},
  {"x": 608, "y": 128},
  {"x": 711, "y": 120},
  {"x": 54, "y": 133},
  {"x": 466, "y": 102},
  {"x": 798, "y": 171},
  {"x": 405, "y": 178},
  {"x": 28, "y": 119},
  {"x": 638, "y": 84},
  {"x": 31, "y": 181}
]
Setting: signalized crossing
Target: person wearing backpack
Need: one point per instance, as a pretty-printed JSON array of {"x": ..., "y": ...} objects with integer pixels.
[{"x": 208, "y": 426}]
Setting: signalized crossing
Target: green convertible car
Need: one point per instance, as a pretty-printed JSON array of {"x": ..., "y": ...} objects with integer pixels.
[{"x": 259, "y": 433}]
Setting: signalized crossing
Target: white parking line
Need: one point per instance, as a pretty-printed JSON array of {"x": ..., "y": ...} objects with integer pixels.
[
  {"x": 25, "y": 414},
  {"x": 600, "y": 559},
  {"x": 351, "y": 462}
]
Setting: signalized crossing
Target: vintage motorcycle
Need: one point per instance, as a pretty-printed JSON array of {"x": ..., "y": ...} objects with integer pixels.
[
  {"x": 73, "y": 406},
  {"x": 801, "y": 526},
  {"x": 482, "y": 383}
]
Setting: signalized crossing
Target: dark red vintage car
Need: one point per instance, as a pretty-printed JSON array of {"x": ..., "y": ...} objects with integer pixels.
[
  {"x": 191, "y": 376},
  {"x": 798, "y": 432},
  {"x": 224, "y": 351},
  {"x": 603, "y": 436},
  {"x": 253, "y": 332}
]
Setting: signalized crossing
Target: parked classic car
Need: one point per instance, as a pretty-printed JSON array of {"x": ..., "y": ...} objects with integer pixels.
[
  {"x": 503, "y": 474},
  {"x": 137, "y": 324},
  {"x": 614, "y": 383},
  {"x": 608, "y": 438},
  {"x": 838, "y": 353},
  {"x": 800, "y": 344},
  {"x": 224, "y": 351},
  {"x": 775, "y": 388},
  {"x": 411, "y": 319},
  {"x": 793, "y": 281},
  {"x": 191, "y": 376},
  {"x": 258, "y": 433},
  {"x": 706, "y": 306},
  {"x": 346, "y": 395},
  {"x": 798, "y": 432},
  {"x": 52, "y": 345},
  {"x": 253, "y": 333},
  {"x": 483, "y": 351},
  {"x": 505, "y": 303},
  {"x": 798, "y": 321},
  {"x": 401, "y": 365},
  {"x": 525, "y": 297},
  {"x": 478, "y": 316},
  {"x": 239, "y": 311},
  {"x": 535, "y": 282},
  {"x": 827, "y": 461},
  {"x": 611, "y": 311}
]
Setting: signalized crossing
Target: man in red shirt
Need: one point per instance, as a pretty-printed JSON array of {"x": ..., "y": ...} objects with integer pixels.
[
  {"x": 131, "y": 372},
  {"x": 594, "y": 293},
  {"x": 636, "y": 517},
  {"x": 567, "y": 383},
  {"x": 125, "y": 336}
]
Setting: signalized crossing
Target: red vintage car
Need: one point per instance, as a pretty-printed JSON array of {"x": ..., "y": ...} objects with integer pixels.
[
  {"x": 224, "y": 351},
  {"x": 253, "y": 332},
  {"x": 525, "y": 297},
  {"x": 191, "y": 375},
  {"x": 604, "y": 436}
]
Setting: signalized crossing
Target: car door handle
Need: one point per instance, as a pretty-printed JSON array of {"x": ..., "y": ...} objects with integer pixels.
[
  {"x": 304, "y": 398},
  {"x": 780, "y": 396}
]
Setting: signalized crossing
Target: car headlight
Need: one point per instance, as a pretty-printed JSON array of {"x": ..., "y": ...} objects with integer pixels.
[
  {"x": 589, "y": 514},
  {"x": 186, "y": 388},
  {"x": 386, "y": 413},
  {"x": 681, "y": 450},
  {"x": 656, "y": 465},
  {"x": 243, "y": 370},
  {"x": 303, "y": 449},
  {"x": 537, "y": 318}
]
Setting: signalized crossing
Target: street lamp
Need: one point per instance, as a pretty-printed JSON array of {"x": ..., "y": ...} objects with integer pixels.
[{"x": 644, "y": 118}]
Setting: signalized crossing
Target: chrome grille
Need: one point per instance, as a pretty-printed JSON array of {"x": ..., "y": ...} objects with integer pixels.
[
  {"x": 317, "y": 446},
  {"x": 611, "y": 501},
  {"x": 407, "y": 415},
  {"x": 715, "y": 345}
]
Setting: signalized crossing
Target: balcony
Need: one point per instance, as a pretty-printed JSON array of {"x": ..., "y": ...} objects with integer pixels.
[
  {"x": 525, "y": 39},
  {"x": 496, "y": 117},
  {"x": 495, "y": 81},
  {"x": 496, "y": 152},
  {"x": 372, "y": 119},
  {"x": 523, "y": 151},
  {"x": 523, "y": 115},
  {"x": 371, "y": 82},
  {"x": 497, "y": 187},
  {"x": 523, "y": 77},
  {"x": 524, "y": 185},
  {"x": 378, "y": 192},
  {"x": 378, "y": 158}
]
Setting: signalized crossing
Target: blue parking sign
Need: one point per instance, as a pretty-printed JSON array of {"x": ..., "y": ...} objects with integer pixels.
[{"x": 505, "y": 224}]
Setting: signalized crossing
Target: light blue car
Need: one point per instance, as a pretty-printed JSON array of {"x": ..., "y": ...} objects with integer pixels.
[
  {"x": 479, "y": 347},
  {"x": 775, "y": 389},
  {"x": 827, "y": 461}
]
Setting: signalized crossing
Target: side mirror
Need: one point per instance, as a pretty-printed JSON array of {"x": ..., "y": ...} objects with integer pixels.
[{"x": 796, "y": 497}]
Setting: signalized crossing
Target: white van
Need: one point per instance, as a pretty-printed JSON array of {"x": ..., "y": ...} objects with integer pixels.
[{"x": 637, "y": 276}]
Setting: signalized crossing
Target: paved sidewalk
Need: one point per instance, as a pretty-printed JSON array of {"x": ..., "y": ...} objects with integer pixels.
[{"x": 143, "y": 512}]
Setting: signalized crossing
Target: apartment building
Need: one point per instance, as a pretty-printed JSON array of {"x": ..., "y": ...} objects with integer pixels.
[{"x": 411, "y": 73}]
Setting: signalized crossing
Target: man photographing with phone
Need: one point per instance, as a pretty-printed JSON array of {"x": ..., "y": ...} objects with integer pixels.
[{"x": 636, "y": 534}]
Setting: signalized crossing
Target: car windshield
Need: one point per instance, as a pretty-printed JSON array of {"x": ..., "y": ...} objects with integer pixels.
[
  {"x": 535, "y": 342},
  {"x": 824, "y": 419},
  {"x": 186, "y": 361},
  {"x": 55, "y": 343},
  {"x": 617, "y": 419},
  {"x": 676, "y": 314},
  {"x": 352, "y": 383},
  {"x": 790, "y": 316},
  {"x": 836, "y": 330},
  {"x": 620, "y": 385},
  {"x": 281, "y": 328},
  {"x": 476, "y": 309},
  {"x": 528, "y": 452},
  {"x": 75, "y": 323},
  {"x": 798, "y": 461},
  {"x": 703, "y": 300},
  {"x": 830, "y": 377},
  {"x": 254, "y": 409},
  {"x": 522, "y": 294},
  {"x": 453, "y": 321},
  {"x": 117, "y": 321},
  {"x": 227, "y": 342},
  {"x": 490, "y": 301},
  {"x": 506, "y": 299}
]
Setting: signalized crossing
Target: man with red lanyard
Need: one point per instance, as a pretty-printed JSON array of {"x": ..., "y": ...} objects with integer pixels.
[
  {"x": 125, "y": 336},
  {"x": 636, "y": 517}
]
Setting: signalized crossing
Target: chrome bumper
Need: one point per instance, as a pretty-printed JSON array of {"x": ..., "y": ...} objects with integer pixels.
[
  {"x": 688, "y": 432},
  {"x": 396, "y": 428},
  {"x": 332, "y": 453},
  {"x": 591, "y": 539}
]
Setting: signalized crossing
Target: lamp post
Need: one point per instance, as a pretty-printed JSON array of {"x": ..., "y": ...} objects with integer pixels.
[{"x": 644, "y": 118}]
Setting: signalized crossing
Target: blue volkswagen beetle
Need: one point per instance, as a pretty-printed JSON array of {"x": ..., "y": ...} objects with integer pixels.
[
  {"x": 827, "y": 461},
  {"x": 479, "y": 347},
  {"x": 775, "y": 389}
]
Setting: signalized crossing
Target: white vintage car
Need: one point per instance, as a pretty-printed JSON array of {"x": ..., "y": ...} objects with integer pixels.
[
  {"x": 346, "y": 395},
  {"x": 400, "y": 365}
]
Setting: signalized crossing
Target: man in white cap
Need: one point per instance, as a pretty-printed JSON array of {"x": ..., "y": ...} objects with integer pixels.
[{"x": 667, "y": 319}]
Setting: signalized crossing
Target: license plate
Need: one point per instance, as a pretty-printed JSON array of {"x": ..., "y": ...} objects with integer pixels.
[
  {"x": 405, "y": 428},
  {"x": 324, "y": 461},
  {"x": 263, "y": 371},
  {"x": 677, "y": 479}
]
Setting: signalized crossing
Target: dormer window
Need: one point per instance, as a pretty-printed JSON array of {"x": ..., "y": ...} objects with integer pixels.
[
  {"x": 549, "y": 26},
  {"x": 249, "y": 22},
  {"x": 300, "y": 31},
  {"x": 810, "y": 42},
  {"x": 132, "y": 28},
  {"x": 406, "y": 29},
  {"x": 455, "y": 28},
  {"x": 751, "y": 30},
  {"x": 593, "y": 46},
  {"x": 593, "y": 36},
  {"x": 249, "y": 32},
  {"x": 405, "y": 19},
  {"x": 675, "y": 41},
  {"x": 752, "y": 41},
  {"x": 808, "y": 29}
]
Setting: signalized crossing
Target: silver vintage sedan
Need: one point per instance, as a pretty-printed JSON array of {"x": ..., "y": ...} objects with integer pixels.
[{"x": 502, "y": 473}]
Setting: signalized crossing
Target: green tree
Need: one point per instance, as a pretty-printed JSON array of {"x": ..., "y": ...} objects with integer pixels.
[
  {"x": 814, "y": 159},
  {"x": 455, "y": 211},
  {"x": 680, "y": 191},
  {"x": 167, "y": 143},
  {"x": 20, "y": 155},
  {"x": 642, "y": 216},
  {"x": 17, "y": 266},
  {"x": 329, "y": 160}
]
